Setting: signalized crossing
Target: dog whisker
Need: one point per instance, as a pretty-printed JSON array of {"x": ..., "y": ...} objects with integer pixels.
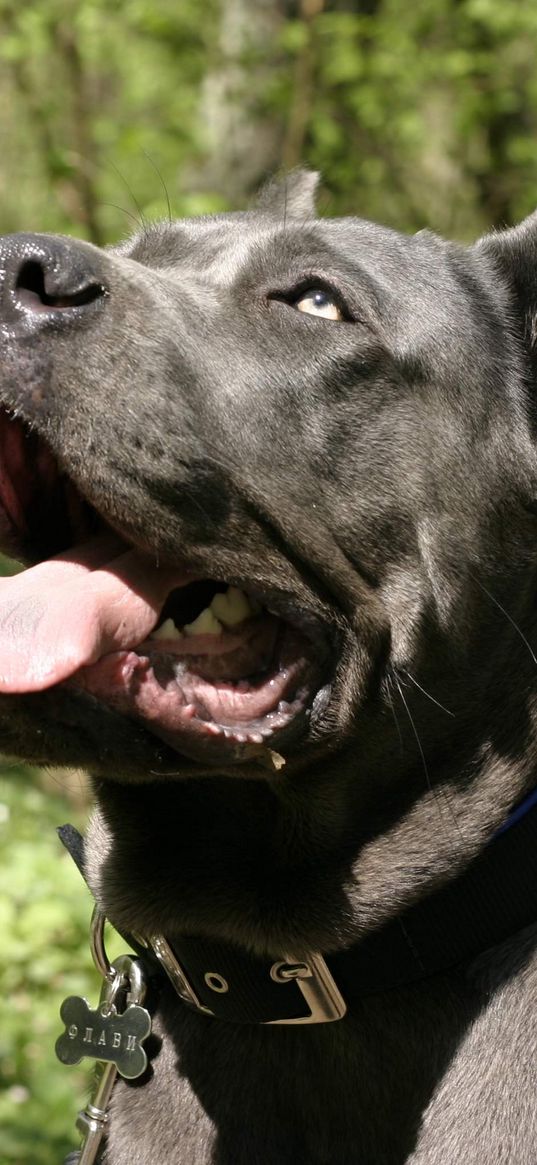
[
  {"x": 415, "y": 732},
  {"x": 393, "y": 712},
  {"x": 123, "y": 210},
  {"x": 509, "y": 617},
  {"x": 141, "y": 218},
  {"x": 162, "y": 182},
  {"x": 435, "y": 791},
  {"x": 426, "y": 693}
]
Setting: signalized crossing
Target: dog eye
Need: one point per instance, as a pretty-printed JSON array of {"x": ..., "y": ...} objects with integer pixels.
[{"x": 318, "y": 302}]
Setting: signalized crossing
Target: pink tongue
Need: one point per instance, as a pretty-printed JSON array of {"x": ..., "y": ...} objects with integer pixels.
[{"x": 71, "y": 610}]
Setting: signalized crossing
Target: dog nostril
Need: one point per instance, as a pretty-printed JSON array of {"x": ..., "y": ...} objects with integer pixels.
[{"x": 31, "y": 290}]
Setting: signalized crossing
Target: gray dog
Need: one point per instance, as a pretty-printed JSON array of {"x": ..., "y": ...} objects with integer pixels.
[{"x": 275, "y": 481}]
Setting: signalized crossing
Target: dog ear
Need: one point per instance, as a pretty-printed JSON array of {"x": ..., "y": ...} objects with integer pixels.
[
  {"x": 514, "y": 251},
  {"x": 291, "y": 196}
]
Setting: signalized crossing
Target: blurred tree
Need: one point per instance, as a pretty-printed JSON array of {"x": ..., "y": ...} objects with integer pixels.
[{"x": 417, "y": 115}]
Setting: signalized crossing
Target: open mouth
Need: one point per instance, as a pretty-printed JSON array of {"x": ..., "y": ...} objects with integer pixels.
[{"x": 205, "y": 665}]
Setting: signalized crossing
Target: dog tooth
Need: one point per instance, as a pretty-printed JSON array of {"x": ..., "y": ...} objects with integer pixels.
[
  {"x": 168, "y": 630},
  {"x": 205, "y": 624},
  {"x": 231, "y": 607},
  {"x": 255, "y": 738}
]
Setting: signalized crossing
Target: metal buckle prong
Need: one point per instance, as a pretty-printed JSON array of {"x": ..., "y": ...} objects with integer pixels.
[
  {"x": 284, "y": 971},
  {"x": 317, "y": 985}
]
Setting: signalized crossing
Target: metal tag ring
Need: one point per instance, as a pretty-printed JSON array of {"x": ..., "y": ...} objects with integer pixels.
[{"x": 98, "y": 949}]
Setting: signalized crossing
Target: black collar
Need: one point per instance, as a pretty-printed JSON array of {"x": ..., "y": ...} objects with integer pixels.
[{"x": 494, "y": 898}]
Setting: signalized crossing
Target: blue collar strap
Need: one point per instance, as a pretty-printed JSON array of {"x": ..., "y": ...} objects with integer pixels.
[{"x": 520, "y": 811}]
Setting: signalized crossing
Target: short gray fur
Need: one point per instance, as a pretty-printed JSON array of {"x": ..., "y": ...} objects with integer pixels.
[{"x": 384, "y": 474}]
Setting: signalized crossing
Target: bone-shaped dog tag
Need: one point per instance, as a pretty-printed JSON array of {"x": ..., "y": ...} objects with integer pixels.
[{"x": 102, "y": 1034}]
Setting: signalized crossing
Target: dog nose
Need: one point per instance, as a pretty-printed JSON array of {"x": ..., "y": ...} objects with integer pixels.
[{"x": 46, "y": 275}]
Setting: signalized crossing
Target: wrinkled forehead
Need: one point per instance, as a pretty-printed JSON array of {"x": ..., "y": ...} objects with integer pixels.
[
  {"x": 222, "y": 248},
  {"x": 420, "y": 291}
]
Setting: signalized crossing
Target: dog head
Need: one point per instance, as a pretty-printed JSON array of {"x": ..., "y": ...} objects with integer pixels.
[{"x": 308, "y": 442}]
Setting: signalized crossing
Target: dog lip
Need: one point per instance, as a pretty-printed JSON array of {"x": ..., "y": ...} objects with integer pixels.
[
  {"x": 75, "y": 620},
  {"x": 200, "y": 719},
  {"x": 81, "y": 517},
  {"x": 261, "y": 685},
  {"x": 196, "y": 733}
]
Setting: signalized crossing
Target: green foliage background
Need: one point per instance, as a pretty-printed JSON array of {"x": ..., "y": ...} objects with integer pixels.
[
  {"x": 44, "y": 915},
  {"x": 422, "y": 114},
  {"x": 418, "y": 115}
]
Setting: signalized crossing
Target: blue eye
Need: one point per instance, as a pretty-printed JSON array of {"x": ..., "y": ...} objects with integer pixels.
[{"x": 318, "y": 302}]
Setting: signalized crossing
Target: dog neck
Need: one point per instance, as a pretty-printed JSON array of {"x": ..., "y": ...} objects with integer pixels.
[{"x": 492, "y": 899}]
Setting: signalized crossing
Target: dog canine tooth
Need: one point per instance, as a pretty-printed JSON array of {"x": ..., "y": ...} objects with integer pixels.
[
  {"x": 168, "y": 630},
  {"x": 205, "y": 624},
  {"x": 231, "y": 607}
]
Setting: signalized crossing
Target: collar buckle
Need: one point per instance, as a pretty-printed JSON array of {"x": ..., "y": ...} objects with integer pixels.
[
  {"x": 317, "y": 985},
  {"x": 176, "y": 973},
  {"x": 311, "y": 975}
]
